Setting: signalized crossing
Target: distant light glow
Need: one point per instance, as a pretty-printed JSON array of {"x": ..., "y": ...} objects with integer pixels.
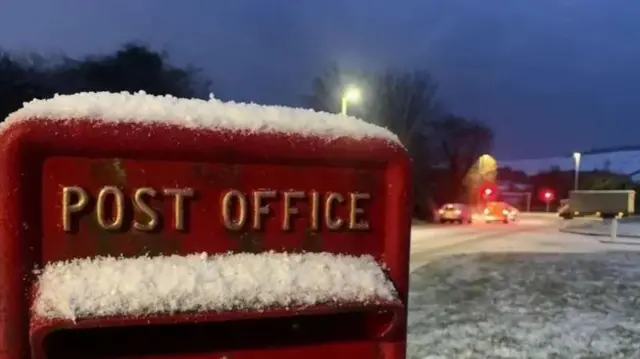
[{"x": 352, "y": 94}]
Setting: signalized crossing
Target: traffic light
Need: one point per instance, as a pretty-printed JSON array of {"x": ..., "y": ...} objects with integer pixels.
[
  {"x": 488, "y": 193},
  {"x": 546, "y": 195}
]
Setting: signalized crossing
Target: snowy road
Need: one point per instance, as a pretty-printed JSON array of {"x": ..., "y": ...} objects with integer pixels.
[
  {"x": 431, "y": 241},
  {"x": 521, "y": 291}
]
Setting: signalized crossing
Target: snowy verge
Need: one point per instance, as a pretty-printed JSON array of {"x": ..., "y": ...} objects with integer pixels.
[
  {"x": 627, "y": 228},
  {"x": 526, "y": 305},
  {"x": 198, "y": 114},
  {"x": 138, "y": 286}
]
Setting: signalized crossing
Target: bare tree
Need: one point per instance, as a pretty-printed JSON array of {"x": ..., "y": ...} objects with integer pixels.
[
  {"x": 403, "y": 102},
  {"x": 458, "y": 143},
  {"x": 406, "y": 103},
  {"x": 327, "y": 88}
]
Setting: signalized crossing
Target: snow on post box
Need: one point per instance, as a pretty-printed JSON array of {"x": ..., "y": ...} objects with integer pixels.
[{"x": 142, "y": 226}]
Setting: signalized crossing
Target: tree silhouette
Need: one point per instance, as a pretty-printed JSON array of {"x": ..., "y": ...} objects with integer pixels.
[
  {"x": 406, "y": 103},
  {"x": 132, "y": 68},
  {"x": 326, "y": 88},
  {"x": 459, "y": 142}
]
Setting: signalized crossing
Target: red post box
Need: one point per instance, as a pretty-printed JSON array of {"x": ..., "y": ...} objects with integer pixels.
[{"x": 142, "y": 226}]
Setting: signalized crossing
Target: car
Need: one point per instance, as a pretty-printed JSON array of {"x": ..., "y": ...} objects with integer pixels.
[
  {"x": 455, "y": 213},
  {"x": 500, "y": 212}
]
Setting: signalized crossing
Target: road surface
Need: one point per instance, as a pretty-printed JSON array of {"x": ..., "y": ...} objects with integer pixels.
[{"x": 431, "y": 241}]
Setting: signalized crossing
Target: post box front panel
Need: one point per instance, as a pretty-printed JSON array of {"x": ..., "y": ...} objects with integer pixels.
[{"x": 113, "y": 206}]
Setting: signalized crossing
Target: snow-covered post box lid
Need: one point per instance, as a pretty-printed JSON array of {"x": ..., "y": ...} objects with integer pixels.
[{"x": 130, "y": 205}]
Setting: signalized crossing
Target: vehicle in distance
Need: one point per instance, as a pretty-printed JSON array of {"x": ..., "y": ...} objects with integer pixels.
[
  {"x": 455, "y": 213},
  {"x": 599, "y": 203},
  {"x": 564, "y": 211},
  {"x": 500, "y": 212}
]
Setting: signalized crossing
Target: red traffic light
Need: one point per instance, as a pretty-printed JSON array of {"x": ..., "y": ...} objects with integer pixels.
[
  {"x": 546, "y": 195},
  {"x": 488, "y": 192}
]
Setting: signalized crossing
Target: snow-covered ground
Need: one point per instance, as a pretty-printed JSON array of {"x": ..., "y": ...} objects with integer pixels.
[
  {"x": 530, "y": 292},
  {"x": 627, "y": 228}
]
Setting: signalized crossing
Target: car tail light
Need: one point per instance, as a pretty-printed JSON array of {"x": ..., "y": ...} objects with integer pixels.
[
  {"x": 504, "y": 211},
  {"x": 457, "y": 211}
]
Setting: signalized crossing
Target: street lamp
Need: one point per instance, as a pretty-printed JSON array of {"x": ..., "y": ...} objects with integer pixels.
[
  {"x": 351, "y": 94},
  {"x": 576, "y": 158},
  {"x": 481, "y": 174},
  {"x": 487, "y": 166}
]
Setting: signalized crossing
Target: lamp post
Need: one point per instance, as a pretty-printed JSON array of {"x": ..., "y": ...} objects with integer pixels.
[
  {"x": 351, "y": 94},
  {"x": 576, "y": 158},
  {"x": 487, "y": 167},
  {"x": 482, "y": 173}
]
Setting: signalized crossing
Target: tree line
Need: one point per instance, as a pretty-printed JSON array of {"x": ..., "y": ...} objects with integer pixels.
[
  {"x": 444, "y": 146},
  {"x": 133, "y": 67}
]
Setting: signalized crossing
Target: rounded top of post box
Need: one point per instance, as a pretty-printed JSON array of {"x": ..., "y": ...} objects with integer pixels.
[{"x": 213, "y": 114}]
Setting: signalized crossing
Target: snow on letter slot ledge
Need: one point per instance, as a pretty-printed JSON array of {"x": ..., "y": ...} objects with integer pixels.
[
  {"x": 106, "y": 286},
  {"x": 107, "y": 107}
]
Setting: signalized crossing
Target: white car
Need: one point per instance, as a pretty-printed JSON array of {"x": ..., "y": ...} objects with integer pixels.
[{"x": 455, "y": 213}]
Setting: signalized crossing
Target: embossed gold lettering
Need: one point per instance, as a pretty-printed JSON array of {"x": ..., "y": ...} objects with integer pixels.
[
  {"x": 179, "y": 194},
  {"x": 330, "y": 219},
  {"x": 68, "y": 208},
  {"x": 238, "y": 210},
  {"x": 260, "y": 209},
  {"x": 354, "y": 211},
  {"x": 288, "y": 196},
  {"x": 144, "y": 207},
  {"x": 118, "y": 208},
  {"x": 314, "y": 213},
  {"x": 229, "y": 200}
]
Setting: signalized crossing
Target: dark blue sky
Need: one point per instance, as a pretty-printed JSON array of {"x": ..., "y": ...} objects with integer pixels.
[{"x": 550, "y": 76}]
